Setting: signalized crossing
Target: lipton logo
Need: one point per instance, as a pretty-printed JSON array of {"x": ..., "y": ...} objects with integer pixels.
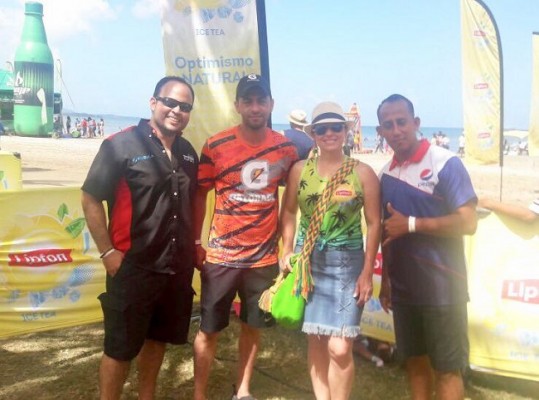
[
  {"x": 479, "y": 32},
  {"x": 483, "y": 135},
  {"x": 523, "y": 290},
  {"x": 40, "y": 258},
  {"x": 343, "y": 192},
  {"x": 482, "y": 85},
  {"x": 378, "y": 264}
]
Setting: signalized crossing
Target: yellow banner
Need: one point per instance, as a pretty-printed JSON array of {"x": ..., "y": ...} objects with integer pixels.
[
  {"x": 50, "y": 272},
  {"x": 212, "y": 44},
  {"x": 503, "y": 275},
  {"x": 10, "y": 171},
  {"x": 51, "y": 275},
  {"x": 375, "y": 322},
  {"x": 533, "y": 136},
  {"x": 481, "y": 83}
]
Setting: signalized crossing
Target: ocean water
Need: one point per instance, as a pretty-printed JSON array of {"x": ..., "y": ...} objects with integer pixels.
[
  {"x": 369, "y": 134},
  {"x": 115, "y": 123}
]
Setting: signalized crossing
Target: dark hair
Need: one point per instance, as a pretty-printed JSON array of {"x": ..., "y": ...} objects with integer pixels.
[
  {"x": 163, "y": 81},
  {"x": 394, "y": 98}
]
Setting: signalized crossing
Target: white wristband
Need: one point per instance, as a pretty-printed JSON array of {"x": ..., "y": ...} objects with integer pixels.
[
  {"x": 411, "y": 224},
  {"x": 107, "y": 253}
]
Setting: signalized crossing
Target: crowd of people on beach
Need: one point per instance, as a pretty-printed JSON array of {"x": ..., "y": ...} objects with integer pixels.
[
  {"x": 440, "y": 139},
  {"x": 150, "y": 253},
  {"x": 82, "y": 127}
]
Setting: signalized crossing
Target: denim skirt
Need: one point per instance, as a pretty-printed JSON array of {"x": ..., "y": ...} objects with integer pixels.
[{"x": 332, "y": 309}]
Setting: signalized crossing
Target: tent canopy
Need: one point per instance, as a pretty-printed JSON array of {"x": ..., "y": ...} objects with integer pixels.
[
  {"x": 519, "y": 134},
  {"x": 6, "y": 80}
]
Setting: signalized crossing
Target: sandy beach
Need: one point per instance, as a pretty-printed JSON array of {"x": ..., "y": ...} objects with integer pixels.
[{"x": 64, "y": 162}]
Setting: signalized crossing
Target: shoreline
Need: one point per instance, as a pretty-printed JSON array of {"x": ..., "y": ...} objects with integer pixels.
[{"x": 48, "y": 162}]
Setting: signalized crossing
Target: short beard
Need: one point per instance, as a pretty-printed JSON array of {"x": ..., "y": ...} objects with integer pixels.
[
  {"x": 256, "y": 127},
  {"x": 167, "y": 132}
]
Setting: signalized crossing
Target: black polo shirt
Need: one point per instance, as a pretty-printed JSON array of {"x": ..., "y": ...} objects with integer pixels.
[{"x": 149, "y": 197}]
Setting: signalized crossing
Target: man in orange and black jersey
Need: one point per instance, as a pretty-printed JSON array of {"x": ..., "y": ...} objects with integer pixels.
[{"x": 245, "y": 165}]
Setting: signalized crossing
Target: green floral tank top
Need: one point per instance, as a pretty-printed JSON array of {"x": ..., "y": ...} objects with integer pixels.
[{"x": 341, "y": 227}]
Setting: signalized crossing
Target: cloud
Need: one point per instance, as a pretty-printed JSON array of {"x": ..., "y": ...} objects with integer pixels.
[
  {"x": 62, "y": 18},
  {"x": 146, "y": 8},
  {"x": 65, "y": 18}
]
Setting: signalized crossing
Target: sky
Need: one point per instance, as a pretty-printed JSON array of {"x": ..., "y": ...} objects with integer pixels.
[{"x": 111, "y": 54}]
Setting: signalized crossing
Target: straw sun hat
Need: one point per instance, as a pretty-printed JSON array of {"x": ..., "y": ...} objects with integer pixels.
[
  {"x": 327, "y": 113},
  {"x": 298, "y": 117}
]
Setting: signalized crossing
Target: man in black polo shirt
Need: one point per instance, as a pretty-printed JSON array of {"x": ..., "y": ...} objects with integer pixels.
[{"x": 147, "y": 176}]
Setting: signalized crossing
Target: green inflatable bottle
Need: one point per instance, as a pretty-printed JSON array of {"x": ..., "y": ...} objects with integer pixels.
[{"x": 33, "y": 88}]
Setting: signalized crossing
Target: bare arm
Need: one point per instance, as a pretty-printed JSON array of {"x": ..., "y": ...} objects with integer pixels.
[
  {"x": 385, "y": 288},
  {"x": 371, "y": 190},
  {"x": 522, "y": 213},
  {"x": 200, "y": 210},
  {"x": 199, "y": 215},
  {"x": 95, "y": 215},
  {"x": 289, "y": 210},
  {"x": 463, "y": 221},
  {"x": 94, "y": 212}
]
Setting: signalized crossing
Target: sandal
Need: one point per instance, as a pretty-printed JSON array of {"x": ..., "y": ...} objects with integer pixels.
[{"x": 235, "y": 397}]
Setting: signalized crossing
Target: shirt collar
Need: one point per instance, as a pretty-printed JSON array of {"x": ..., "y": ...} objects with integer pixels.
[{"x": 415, "y": 158}]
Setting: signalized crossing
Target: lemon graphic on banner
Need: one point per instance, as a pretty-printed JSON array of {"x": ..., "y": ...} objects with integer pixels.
[{"x": 42, "y": 251}]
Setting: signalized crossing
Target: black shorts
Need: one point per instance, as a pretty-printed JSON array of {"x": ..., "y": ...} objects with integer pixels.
[
  {"x": 441, "y": 332},
  {"x": 219, "y": 288},
  {"x": 141, "y": 304}
]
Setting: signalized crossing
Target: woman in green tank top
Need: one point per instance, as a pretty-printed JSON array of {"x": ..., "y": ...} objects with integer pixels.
[{"x": 342, "y": 262}]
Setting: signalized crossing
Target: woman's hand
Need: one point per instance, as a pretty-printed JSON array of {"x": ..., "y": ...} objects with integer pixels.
[
  {"x": 284, "y": 263},
  {"x": 363, "y": 291}
]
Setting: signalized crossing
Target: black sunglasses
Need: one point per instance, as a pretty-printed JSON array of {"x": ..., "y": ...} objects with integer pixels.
[
  {"x": 172, "y": 103},
  {"x": 320, "y": 130}
]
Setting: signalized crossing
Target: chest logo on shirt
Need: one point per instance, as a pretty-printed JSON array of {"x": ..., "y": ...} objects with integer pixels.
[
  {"x": 137, "y": 159},
  {"x": 255, "y": 174},
  {"x": 189, "y": 157},
  {"x": 344, "y": 192},
  {"x": 426, "y": 176}
]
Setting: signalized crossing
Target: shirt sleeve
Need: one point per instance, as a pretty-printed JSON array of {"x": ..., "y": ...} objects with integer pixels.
[
  {"x": 292, "y": 157},
  {"x": 104, "y": 173},
  {"x": 456, "y": 185}
]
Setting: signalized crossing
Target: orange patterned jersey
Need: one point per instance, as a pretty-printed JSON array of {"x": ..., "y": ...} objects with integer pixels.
[{"x": 243, "y": 232}]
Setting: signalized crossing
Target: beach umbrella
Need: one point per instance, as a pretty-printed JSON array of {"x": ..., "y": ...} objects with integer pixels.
[{"x": 515, "y": 133}]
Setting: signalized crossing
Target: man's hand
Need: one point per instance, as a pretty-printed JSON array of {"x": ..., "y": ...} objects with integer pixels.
[
  {"x": 200, "y": 256},
  {"x": 395, "y": 226},
  {"x": 113, "y": 261}
]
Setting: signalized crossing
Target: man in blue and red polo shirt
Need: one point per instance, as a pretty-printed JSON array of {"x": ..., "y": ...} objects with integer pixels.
[{"x": 429, "y": 204}]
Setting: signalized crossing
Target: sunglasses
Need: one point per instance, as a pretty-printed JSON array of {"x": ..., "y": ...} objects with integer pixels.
[
  {"x": 320, "y": 130},
  {"x": 171, "y": 103}
]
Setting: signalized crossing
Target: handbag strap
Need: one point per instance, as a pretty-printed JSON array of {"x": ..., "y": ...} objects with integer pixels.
[{"x": 304, "y": 280}]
